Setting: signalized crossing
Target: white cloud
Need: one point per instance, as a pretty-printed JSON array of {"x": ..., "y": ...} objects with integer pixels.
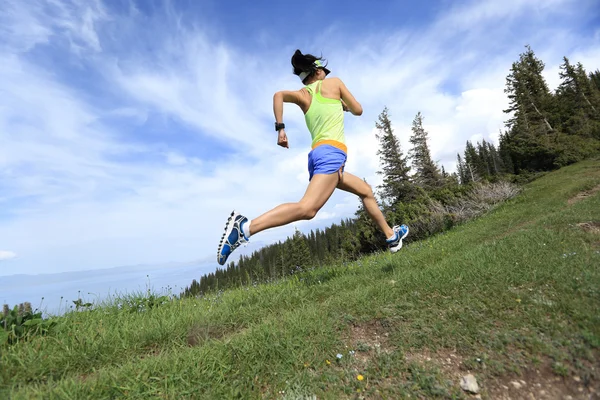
[
  {"x": 465, "y": 16},
  {"x": 26, "y": 24},
  {"x": 176, "y": 159},
  {"x": 6, "y": 255},
  {"x": 76, "y": 195}
]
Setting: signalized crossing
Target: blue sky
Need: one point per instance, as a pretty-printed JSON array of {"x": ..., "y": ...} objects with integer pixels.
[{"x": 129, "y": 130}]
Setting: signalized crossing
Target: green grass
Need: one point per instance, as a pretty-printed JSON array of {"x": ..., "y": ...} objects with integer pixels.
[{"x": 512, "y": 291}]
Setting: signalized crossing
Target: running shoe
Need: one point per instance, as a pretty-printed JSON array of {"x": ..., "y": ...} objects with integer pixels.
[
  {"x": 232, "y": 238},
  {"x": 395, "y": 243}
]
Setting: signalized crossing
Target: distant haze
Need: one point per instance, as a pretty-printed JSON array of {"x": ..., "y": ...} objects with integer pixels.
[{"x": 97, "y": 285}]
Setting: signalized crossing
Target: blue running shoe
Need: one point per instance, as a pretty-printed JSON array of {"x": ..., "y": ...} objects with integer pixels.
[
  {"x": 395, "y": 243},
  {"x": 232, "y": 238}
]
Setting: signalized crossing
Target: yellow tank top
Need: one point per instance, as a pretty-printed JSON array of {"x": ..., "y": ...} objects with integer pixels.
[{"x": 325, "y": 119}]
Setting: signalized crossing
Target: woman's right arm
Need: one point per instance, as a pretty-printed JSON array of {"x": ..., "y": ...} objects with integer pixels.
[
  {"x": 349, "y": 100},
  {"x": 284, "y": 96}
]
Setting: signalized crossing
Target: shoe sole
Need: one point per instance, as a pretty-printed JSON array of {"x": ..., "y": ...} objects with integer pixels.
[
  {"x": 228, "y": 230},
  {"x": 401, "y": 239}
]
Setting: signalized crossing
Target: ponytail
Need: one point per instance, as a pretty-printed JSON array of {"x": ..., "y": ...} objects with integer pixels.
[{"x": 305, "y": 64}]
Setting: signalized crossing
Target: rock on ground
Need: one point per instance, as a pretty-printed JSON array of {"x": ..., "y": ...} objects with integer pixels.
[{"x": 469, "y": 384}]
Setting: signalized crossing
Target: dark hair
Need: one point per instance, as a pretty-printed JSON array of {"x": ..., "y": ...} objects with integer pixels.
[{"x": 305, "y": 63}]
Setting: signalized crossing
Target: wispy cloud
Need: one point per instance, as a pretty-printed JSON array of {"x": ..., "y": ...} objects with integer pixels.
[
  {"x": 127, "y": 136},
  {"x": 25, "y": 25},
  {"x": 6, "y": 255}
]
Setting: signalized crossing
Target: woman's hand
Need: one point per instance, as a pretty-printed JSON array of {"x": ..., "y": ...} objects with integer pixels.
[{"x": 282, "y": 139}]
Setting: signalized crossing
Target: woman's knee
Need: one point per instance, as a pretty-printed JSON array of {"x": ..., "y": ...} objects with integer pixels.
[
  {"x": 366, "y": 192},
  {"x": 308, "y": 211}
]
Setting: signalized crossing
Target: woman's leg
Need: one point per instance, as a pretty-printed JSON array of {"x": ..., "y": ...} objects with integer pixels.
[
  {"x": 318, "y": 192},
  {"x": 353, "y": 184}
]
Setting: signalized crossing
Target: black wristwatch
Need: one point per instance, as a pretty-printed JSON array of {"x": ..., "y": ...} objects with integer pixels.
[{"x": 279, "y": 126}]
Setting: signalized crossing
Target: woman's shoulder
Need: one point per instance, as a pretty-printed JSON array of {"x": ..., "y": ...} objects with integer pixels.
[
  {"x": 333, "y": 83},
  {"x": 333, "y": 79}
]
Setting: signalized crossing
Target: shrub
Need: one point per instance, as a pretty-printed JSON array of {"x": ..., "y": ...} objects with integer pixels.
[
  {"x": 21, "y": 323},
  {"x": 574, "y": 148},
  {"x": 438, "y": 217}
]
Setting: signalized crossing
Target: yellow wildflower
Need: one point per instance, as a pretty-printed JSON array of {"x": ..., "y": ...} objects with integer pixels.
[
  {"x": 327, "y": 362},
  {"x": 360, "y": 377}
]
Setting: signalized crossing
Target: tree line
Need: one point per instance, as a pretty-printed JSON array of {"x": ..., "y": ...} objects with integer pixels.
[{"x": 544, "y": 130}]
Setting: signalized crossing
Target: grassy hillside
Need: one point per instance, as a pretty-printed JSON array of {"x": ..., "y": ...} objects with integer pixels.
[{"x": 512, "y": 298}]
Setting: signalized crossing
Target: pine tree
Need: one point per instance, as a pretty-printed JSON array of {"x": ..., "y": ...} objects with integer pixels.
[
  {"x": 472, "y": 163},
  {"x": 591, "y": 98},
  {"x": 396, "y": 186},
  {"x": 350, "y": 244},
  {"x": 588, "y": 89},
  {"x": 579, "y": 101},
  {"x": 300, "y": 256},
  {"x": 367, "y": 231},
  {"x": 529, "y": 96},
  {"x": 595, "y": 79},
  {"x": 496, "y": 164},
  {"x": 462, "y": 170},
  {"x": 427, "y": 173},
  {"x": 504, "y": 151},
  {"x": 532, "y": 108},
  {"x": 288, "y": 258},
  {"x": 484, "y": 162}
]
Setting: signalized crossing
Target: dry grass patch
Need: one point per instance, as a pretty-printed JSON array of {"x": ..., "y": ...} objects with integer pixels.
[
  {"x": 590, "y": 227},
  {"x": 584, "y": 195},
  {"x": 200, "y": 333},
  {"x": 541, "y": 383}
]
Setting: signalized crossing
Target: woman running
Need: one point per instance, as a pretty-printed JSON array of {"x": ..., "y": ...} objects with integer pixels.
[{"x": 322, "y": 101}]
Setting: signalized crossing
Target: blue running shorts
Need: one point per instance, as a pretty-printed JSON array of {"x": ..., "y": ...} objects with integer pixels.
[{"x": 325, "y": 159}]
